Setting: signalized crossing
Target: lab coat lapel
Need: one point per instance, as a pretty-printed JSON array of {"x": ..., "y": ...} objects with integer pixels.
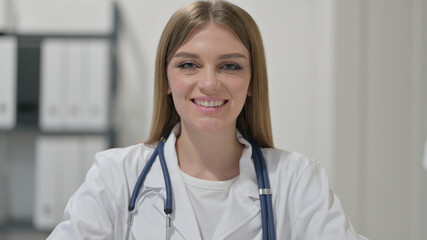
[
  {"x": 183, "y": 218},
  {"x": 243, "y": 207}
]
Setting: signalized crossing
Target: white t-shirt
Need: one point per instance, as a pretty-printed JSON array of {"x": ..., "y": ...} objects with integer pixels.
[{"x": 209, "y": 199}]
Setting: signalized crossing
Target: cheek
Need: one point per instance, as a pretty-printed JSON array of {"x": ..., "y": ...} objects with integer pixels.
[
  {"x": 178, "y": 84},
  {"x": 241, "y": 88}
]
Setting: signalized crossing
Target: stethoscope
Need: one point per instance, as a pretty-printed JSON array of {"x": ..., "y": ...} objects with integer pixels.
[{"x": 268, "y": 231}]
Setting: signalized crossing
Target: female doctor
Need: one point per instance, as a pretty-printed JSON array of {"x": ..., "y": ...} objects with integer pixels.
[{"x": 211, "y": 93}]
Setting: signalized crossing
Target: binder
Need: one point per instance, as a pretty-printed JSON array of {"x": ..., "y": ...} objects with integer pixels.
[
  {"x": 75, "y": 82},
  {"x": 53, "y": 87},
  {"x": 3, "y": 180},
  {"x": 62, "y": 163},
  {"x": 46, "y": 183},
  {"x": 74, "y": 85},
  {"x": 8, "y": 58},
  {"x": 96, "y": 85},
  {"x": 68, "y": 154}
]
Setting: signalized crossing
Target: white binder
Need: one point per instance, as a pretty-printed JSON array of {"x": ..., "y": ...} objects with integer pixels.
[
  {"x": 3, "y": 180},
  {"x": 61, "y": 166},
  {"x": 8, "y": 49},
  {"x": 53, "y": 88},
  {"x": 46, "y": 183},
  {"x": 75, "y": 82},
  {"x": 68, "y": 154},
  {"x": 96, "y": 85},
  {"x": 74, "y": 85}
]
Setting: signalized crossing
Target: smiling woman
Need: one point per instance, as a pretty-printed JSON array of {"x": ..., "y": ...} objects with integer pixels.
[
  {"x": 211, "y": 115},
  {"x": 254, "y": 119},
  {"x": 209, "y": 78}
]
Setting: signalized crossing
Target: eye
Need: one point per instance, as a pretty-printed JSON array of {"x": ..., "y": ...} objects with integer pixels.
[
  {"x": 231, "y": 66},
  {"x": 187, "y": 66}
]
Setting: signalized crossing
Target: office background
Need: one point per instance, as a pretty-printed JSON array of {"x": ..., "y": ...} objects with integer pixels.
[{"x": 347, "y": 83}]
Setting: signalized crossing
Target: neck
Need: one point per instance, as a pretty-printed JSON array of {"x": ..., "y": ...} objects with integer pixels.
[{"x": 210, "y": 156}]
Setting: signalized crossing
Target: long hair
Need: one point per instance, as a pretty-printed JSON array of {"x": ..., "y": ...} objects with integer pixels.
[{"x": 254, "y": 119}]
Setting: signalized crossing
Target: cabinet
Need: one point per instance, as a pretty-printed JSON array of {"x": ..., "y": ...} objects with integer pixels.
[{"x": 56, "y": 106}]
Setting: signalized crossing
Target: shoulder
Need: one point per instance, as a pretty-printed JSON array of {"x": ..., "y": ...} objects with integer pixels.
[
  {"x": 290, "y": 171},
  {"x": 291, "y": 162},
  {"x": 127, "y": 157},
  {"x": 119, "y": 166},
  {"x": 116, "y": 171}
]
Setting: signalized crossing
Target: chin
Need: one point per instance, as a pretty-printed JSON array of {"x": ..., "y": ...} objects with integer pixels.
[{"x": 209, "y": 125}]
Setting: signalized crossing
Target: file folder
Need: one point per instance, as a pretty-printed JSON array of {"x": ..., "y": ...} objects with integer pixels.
[
  {"x": 53, "y": 87},
  {"x": 75, "y": 82},
  {"x": 96, "y": 86},
  {"x": 46, "y": 183},
  {"x": 3, "y": 180},
  {"x": 62, "y": 163},
  {"x": 8, "y": 58}
]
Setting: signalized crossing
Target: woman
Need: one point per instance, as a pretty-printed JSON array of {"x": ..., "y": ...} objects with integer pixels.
[{"x": 211, "y": 90}]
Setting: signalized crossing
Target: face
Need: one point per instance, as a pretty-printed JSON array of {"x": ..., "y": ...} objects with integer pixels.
[{"x": 208, "y": 78}]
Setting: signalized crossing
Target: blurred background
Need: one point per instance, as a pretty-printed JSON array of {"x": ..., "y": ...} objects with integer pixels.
[{"x": 348, "y": 87}]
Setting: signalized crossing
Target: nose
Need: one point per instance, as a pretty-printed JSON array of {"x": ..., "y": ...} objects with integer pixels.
[{"x": 209, "y": 80}]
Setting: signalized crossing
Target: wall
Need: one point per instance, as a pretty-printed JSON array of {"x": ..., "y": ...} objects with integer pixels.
[
  {"x": 380, "y": 115},
  {"x": 348, "y": 112},
  {"x": 419, "y": 131}
]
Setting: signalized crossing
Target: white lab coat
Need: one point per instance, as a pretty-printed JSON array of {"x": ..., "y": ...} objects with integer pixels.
[{"x": 304, "y": 207}]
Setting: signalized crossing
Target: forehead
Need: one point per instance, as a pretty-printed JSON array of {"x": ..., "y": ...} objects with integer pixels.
[{"x": 213, "y": 37}]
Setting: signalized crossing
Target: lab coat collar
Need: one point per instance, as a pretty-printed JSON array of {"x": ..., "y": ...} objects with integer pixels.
[{"x": 246, "y": 184}]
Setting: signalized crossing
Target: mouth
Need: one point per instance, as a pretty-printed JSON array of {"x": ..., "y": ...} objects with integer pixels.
[{"x": 209, "y": 103}]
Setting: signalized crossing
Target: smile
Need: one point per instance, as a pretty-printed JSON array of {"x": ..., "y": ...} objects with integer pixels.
[{"x": 205, "y": 103}]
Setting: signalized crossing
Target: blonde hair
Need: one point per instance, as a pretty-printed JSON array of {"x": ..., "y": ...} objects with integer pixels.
[{"x": 254, "y": 119}]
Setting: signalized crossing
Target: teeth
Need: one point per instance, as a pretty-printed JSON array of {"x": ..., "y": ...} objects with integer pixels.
[{"x": 209, "y": 103}]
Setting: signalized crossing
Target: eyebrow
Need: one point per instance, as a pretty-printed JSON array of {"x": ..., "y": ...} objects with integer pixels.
[
  {"x": 232, "y": 55},
  {"x": 225, "y": 56},
  {"x": 186, "y": 55}
]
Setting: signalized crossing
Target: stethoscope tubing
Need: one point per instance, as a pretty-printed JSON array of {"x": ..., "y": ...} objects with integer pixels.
[
  {"x": 262, "y": 199},
  {"x": 268, "y": 229},
  {"x": 265, "y": 199},
  {"x": 141, "y": 179},
  {"x": 168, "y": 205}
]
